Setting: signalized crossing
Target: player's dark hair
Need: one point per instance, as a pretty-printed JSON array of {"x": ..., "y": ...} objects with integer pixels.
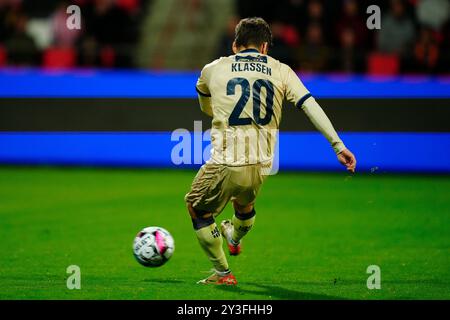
[{"x": 252, "y": 31}]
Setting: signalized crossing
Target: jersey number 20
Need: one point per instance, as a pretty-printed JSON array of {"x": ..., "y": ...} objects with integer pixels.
[{"x": 234, "y": 119}]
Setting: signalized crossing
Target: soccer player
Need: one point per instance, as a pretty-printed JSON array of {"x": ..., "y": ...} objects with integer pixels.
[{"x": 244, "y": 93}]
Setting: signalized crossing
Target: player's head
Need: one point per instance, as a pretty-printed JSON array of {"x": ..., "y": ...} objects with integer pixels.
[{"x": 252, "y": 33}]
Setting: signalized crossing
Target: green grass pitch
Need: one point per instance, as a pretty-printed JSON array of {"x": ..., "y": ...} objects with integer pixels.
[{"x": 314, "y": 237}]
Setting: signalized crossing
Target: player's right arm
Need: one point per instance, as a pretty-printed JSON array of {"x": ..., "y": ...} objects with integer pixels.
[
  {"x": 204, "y": 95},
  {"x": 297, "y": 93}
]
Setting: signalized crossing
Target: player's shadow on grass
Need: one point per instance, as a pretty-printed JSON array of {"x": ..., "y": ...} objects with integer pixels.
[{"x": 277, "y": 292}]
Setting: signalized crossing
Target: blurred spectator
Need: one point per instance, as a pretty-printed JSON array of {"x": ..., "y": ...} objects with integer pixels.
[
  {"x": 285, "y": 39},
  {"x": 351, "y": 19},
  {"x": 88, "y": 55},
  {"x": 109, "y": 33},
  {"x": 22, "y": 50},
  {"x": 292, "y": 12},
  {"x": 10, "y": 10},
  {"x": 5, "y": 28},
  {"x": 315, "y": 12},
  {"x": 316, "y": 15},
  {"x": 314, "y": 35},
  {"x": 349, "y": 58},
  {"x": 107, "y": 39},
  {"x": 314, "y": 54},
  {"x": 107, "y": 23},
  {"x": 40, "y": 29},
  {"x": 426, "y": 51},
  {"x": 38, "y": 8},
  {"x": 433, "y": 13},
  {"x": 226, "y": 40},
  {"x": 397, "y": 31}
]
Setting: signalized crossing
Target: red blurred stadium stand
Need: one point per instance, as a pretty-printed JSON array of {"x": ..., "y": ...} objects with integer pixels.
[
  {"x": 59, "y": 58},
  {"x": 128, "y": 5},
  {"x": 381, "y": 64},
  {"x": 3, "y": 57}
]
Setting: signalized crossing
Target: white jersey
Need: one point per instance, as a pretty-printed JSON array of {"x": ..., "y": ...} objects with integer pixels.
[{"x": 247, "y": 91}]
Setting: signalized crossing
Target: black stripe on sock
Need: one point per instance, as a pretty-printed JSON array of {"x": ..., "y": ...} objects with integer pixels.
[
  {"x": 245, "y": 216},
  {"x": 199, "y": 223}
]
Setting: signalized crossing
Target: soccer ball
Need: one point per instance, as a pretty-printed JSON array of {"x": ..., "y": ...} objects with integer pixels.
[{"x": 153, "y": 246}]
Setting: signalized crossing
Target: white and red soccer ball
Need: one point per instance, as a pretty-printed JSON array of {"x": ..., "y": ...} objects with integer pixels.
[{"x": 153, "y": 246}]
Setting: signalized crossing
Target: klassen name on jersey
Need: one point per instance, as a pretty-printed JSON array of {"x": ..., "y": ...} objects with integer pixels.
[{"x": 251, "y": 66}]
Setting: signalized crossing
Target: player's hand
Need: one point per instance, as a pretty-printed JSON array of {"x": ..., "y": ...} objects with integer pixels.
[{"x": 347, "y": 159}]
